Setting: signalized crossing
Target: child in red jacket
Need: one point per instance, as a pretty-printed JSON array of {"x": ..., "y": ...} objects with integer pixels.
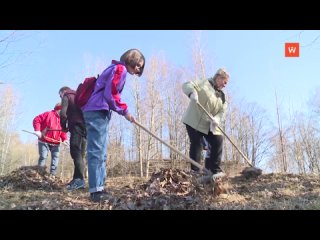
[{"x": 47, "y": 127}]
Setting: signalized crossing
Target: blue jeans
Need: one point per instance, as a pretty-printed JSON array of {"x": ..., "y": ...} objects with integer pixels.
[
  {"x": 44, "y": 149},
  {"x": 97, "y": 123}
]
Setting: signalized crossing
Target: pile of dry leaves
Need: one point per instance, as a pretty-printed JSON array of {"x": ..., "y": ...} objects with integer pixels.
[{"x": 31, "y": 177}]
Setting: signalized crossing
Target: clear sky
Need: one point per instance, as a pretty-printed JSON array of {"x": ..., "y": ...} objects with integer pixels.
[{"x": 48, "y": 60}]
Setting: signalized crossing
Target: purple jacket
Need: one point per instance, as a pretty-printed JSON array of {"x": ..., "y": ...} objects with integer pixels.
[{"x": 107, "y": 92}]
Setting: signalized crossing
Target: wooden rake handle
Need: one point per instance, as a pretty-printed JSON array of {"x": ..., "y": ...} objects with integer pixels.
[
  {"x": 51, "y": 139},
  {"x": 236, "y": 147},
  {"x": 175, "y": 150}
]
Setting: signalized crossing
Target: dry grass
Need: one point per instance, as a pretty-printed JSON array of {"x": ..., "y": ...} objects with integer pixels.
[{"x": 31, "y": 188}]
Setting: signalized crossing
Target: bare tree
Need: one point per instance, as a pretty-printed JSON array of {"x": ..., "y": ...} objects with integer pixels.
[
  {"x": 116, "y": 164},
  {"x": 296, "y": 149},
  {"x": 175, "y": 104},
  {"x": 6, "y": 41},
  {"x": 198, "y": 56},
  {"x": 283, "y": 152},
  {"x": 137, "y": 135},
  {"x": 155, "y": 75},
  {"x": 250, "y": 130},
  {"x": 11, "y": 50},
  {"x": 8, "y": 105},
  {"x": 300, "y": 36},
  {"x": 310, "y": 142}
]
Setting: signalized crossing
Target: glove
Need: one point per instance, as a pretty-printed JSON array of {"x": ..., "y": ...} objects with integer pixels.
[
  {"x": 194, "y": 96},
  {"x": 213, "y": 124},
  {"x": 129, "y": 117},
  {"x": 38, "y": 133}
]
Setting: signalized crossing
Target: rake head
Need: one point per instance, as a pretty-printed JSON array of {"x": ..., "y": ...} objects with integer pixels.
[{"x": 251, "y": 172}]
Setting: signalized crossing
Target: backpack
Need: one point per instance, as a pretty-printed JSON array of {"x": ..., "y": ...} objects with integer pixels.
[{"x": 84, "y": 91}]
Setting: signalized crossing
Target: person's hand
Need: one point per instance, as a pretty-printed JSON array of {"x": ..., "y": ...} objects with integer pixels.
[
  {"x": 213, "y": 124},
  {"x": 129, "y": 117},
  {"x": 66, "y": 143},
  {"x": 194, "y": 96},
  {"x": 44, "y": 131},
  {"x": 38, "y": 133}
]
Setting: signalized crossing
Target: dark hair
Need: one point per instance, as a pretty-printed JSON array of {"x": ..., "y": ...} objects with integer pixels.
[
  {"x": 63, "y": 89},
  {"x": 132, "y": 57}
]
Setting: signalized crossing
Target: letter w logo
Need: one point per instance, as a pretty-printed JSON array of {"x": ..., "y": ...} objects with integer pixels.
[{"x": 291, "y": 50}]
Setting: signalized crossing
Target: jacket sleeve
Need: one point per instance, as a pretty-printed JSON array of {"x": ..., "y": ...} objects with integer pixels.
[
  {"x": 63, "y": 112},
  {"x": 114, "y": 88},
  {"x": 189, "y": 87},
  {"x": 63, "y": 136},
  {"x": 222, "y": 114},
  {"x": 39, "y": 120}
]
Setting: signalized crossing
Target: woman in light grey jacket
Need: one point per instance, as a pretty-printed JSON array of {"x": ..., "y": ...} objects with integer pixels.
[{"x": 210, "y": 95}]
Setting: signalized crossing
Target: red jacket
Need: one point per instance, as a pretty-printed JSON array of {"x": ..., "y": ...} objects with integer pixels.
[{"x": 49, "y": 120}]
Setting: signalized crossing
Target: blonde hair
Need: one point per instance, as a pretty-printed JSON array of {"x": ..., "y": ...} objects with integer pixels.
[{"x": 221, "y": 72}]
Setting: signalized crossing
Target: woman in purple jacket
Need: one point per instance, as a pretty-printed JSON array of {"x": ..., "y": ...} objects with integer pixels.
[{"x": 97, "y": 114}]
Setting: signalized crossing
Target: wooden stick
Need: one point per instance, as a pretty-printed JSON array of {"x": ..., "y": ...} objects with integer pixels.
[
  {"x": 175, "y": 150},
  {"x": 211, "y": 117},
  {"x": 51, "y": 139}
]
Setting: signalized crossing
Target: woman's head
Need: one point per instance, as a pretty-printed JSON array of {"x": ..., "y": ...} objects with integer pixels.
[
  {"x": 62, "y": 90},
  {"x": 220, "y": 79},
  {"x": 134, "y": 61}
]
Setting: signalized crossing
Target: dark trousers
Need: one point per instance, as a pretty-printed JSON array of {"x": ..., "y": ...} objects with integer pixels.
[
  {"x": 77, "y": 149},
  {"x": 215, "y": 146}
]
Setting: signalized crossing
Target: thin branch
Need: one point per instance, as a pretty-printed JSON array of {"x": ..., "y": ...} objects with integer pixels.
[{"x": 314, "y": 40}]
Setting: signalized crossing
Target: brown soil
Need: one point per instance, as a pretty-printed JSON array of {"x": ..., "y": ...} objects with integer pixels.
[{"x": 31, "y": 188}]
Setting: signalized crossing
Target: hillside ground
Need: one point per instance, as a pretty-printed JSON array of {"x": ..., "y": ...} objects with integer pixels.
[{"x": 31, "y": 188}]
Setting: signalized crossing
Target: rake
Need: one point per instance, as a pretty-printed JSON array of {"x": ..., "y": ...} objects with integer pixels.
[
  {"x": 188, "y": 159},
  {"x": 252, "y": 169},
  {"x": 51, "y": 139}
]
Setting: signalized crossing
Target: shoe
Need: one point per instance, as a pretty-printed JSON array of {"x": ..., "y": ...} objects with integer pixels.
[
  {"x": 194, "y": 171},
  {"x": 75, "y": 184},
  {"x": 218, "y": 175},
  {"x": 99, "y": 196},
  {"x": 204, "y": 179}
]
